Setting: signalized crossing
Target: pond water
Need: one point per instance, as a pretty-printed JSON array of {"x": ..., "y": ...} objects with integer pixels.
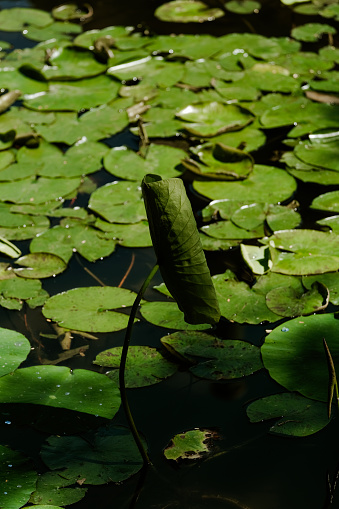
[{"x": 247, "y": 468}]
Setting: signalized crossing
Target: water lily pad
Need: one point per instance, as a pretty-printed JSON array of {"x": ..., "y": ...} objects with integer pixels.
[
  {"x": 243, "y": 6},
  {"x": 281, "y": 187},
  {"x": 186, "y": 11},
  {"x": 330, "y": 280},
  {"x": 14, "y": 350},
  {"x": 295, "y": 357},
  {"x": 14, "y": 291},
  {"x": 282, "y": 218},
  {"x": 128, "y": 235},
  {"x": 90, "y": 309},
  {"x": 39, "y": 265},
  {"x": 63, "y": 241},
  {"x": 17, "y": 478},
  {"x": 80, "y": 390},
  {"x": 210, "y": 119},
  {"x": 108, "y": 455},
  {"x": 297, "y": 416},
  {"x": 51, "y": 489},
  {"x": 327, "y": 201},
  {"x": 56, "y": 30},
  {"x": 240, "y": 303},
  {"x": 66, "y": 12},
  {"x": 228, "y": 230},
  {"x": 289, "y": 302},
  {"x": 311, "y": 32},
  {"x": 192, "y": 445},
  {"x": 168, "y": 315},
  {"x": 74, "y": 95},
  {"x": 69, "y": 63},
  {"x": 17, "y": 18},
  {"x": 303, "y": 252},
  {"x": 257, "y": 258},
  {"x": 214, "y": 359},
  {"x": 160, "y": 159},
  {"x": 145, "y": 366},
  {"x": 119, "y": 202},
  {"x": 324, "y": 155}
]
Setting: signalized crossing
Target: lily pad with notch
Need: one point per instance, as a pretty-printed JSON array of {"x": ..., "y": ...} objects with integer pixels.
[{"x": 190, "y": 445}]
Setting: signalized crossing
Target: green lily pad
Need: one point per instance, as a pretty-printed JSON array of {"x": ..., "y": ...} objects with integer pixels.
[
  {"x": 312, "y": 32},
  {"x": 14, "y": 291},
  {"x": 168, "y": 315},
  {"x": 282, "y": 218},
  {"x": 69, "y": 63},
  {"x": 248, "y": 139},
  {"x": 324, "y": 155},
  {"x": 87, "y": 39},
  {"x": 257, "y": 258},
  {"x": 119, "y": 202},
  {"x": 145, "y": 366},
  {"x": 295, "y": 357},
  {"x": 56, "y": 30},
  {"x": 66, "y": 12},
  {"x": 17, "y": 478},
  {"x": 228, "y": 230},
  {"x": 330, "y": 280},
  {"x": 243, "y": 6},
  {"x": 39, "y": 265},
  {"x": 289, "y": 302},
  {"x": 63, "y": 241},
  {"x": 8, "y": 248},
  {"x": 241, "y": 304},
  {"x": 128, "y": 235},
  {"x": 212, "y": 118},
  {"x": 160, "y": 159},
  {"x": 192, "y": 445},
  {"x": 16, "y": 19},
  {"x": 297, "y": 416},
  {"x": 51, "y": 489},
  {"x": 303, "y": 252},
  {"x": 187, "y": 11},
  {"x": 214, "y": 359},
  {"x": 108, "y": 455},
  {"x": 14, "y": 350},
  {"x": 327, "y": 201},
  {"x": 74, "y": 95},
  {"x": 281, "y": 186},
  {"x": 80, "y": 390},
  {"x": 90, "y": 309}
]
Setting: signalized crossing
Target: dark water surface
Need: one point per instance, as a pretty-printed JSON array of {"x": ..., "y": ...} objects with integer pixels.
[{"x": 251, "y": 469}]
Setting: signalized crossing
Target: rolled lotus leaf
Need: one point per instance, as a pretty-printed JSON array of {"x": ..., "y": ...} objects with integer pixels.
[{"x": 178, "y": 249}]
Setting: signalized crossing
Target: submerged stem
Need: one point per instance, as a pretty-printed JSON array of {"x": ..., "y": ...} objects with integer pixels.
[{"x": 128, "y": 335}]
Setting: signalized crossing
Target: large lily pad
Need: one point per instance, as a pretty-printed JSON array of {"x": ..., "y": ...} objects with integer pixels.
[
  {"x": 52, "y": 488},
  {"x": 168, "y": 315},
  {"x": 145, "y": 366},
  {"x": 90, "y": 309},
  {"x": 56, "y": 386},
  {"x": 17, "y": 18},
  {"x": 295, "y": 357},
  {"x": 39, "y": 265},
  {"x": 108, "y": 455}
]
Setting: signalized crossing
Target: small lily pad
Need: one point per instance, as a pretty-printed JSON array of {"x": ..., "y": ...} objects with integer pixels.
[
  {"x": 39, "y": 265},
  {"x": 289, "y": 302},
  {"x": 145, "y": 366},
  {"x": 243, "y": 6},
  {"x": 168, "y": 315},
  {"x": 191, "y": 445},
  {"x": 311, "y": 32},
  {"x": 52, "y": 488},
  {"x": 187, "y": 11}
]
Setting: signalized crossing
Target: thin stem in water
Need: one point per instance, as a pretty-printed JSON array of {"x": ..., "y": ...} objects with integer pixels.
[{"x": 128, "y": 335}]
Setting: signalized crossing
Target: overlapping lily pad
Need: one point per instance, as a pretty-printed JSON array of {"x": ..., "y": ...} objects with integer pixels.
[
  {"x": 14, "y": 350},
  {"x": 186, "y": 11},
  {"x": 145, "y": 366}
]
